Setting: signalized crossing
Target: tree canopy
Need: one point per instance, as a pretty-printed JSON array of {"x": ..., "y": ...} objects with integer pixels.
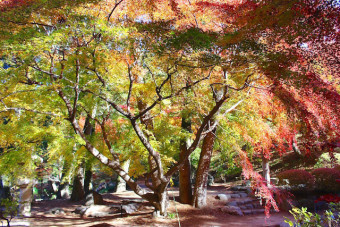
[{"x": 264, "y": 70}]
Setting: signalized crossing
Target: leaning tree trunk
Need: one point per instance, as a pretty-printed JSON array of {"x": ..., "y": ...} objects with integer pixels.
[
  {"x": 121, "y": 183},
  {"x": 78, "y": 192},
  {"x": 200, "y": 190},
  {"x": 185, "y": 187},
  {"x": 266, "y": 170},
  {"x": 148, "y": 122}
]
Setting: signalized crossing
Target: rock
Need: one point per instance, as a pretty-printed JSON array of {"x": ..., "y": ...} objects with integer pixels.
[
  {"x": 247, "y": 212},
  {"x": 249, "y": 206},
  {"x": 80, "y": 210},
  {"x": 94, "y": 198},
  {"x": 235, "y": 195},
  {"x": 56, "y": 211},
  {"x": 130, "y": 208},
  {"x": 100, "y": 211},
  {"x": 244, "y": 201},
  {"x": 232, "y": 210},
  {"x": 233, "y": 203},
  {"x": 243, "y": 195},
  {"x": 223, "y": 197}
]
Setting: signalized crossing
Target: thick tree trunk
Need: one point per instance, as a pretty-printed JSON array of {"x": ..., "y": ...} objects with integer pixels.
[
  {"x": 162, "y": 204},
  {"x": 87, "y": 181},
  {"x": 266, "y": 170},
  {"x": 78, "y": 192},
  {"x": 121, "y": 184},
  {"x": 63, "y": 191},
  {"x": 200, "y": 190},
  {"x": 185, "y": 187}
]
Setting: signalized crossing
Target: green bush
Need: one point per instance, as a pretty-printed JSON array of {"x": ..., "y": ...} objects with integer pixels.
[
  {"x": 325, "y": 179},
  {"x": 303, "y": 218},
  {"x": 8, "y": 210}
]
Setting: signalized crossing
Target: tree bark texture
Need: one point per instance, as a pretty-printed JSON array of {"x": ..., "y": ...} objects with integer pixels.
[
  {"x": 78, "y": 192},
  {"x": 200, "y": 190},
  {"x": 266, "y": 170},
  {"x": 185, "y": 187},
  {"x": 121, "y": 184}
]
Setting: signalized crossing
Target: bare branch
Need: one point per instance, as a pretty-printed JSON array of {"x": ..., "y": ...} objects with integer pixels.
[{"x": 114, "y": 8}]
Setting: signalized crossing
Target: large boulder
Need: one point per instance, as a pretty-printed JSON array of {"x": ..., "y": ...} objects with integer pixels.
[
  {"x": 100, "y": 211},
  {"x": 94, "y": 198},
  {"x": 234, "y": 210},
  {"x": 130, "y": 208}
]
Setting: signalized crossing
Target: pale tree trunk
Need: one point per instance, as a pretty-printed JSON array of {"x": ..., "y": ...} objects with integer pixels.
[
  {"x": 121, "y": 184},
  {"x": 162, "y": 204},
  {"x": 266, "y": 170},
  {"x": 200, "y": 190},
  {"x": 185, "y": 187}
]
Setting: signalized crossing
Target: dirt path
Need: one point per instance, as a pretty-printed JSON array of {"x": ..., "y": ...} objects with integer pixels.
[{"x": 188, "y": 216}]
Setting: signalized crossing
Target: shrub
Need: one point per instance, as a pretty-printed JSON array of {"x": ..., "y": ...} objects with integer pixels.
[
  {"x": 303, "y": 218},
  {"x": 296, "y": 177},
  {"x": 326, "y": 179}
]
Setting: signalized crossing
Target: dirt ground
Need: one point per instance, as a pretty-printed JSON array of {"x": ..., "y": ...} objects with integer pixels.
[{"x": 211, "y": 215}]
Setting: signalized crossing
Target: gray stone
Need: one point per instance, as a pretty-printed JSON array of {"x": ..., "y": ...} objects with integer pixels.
[
  {"x": 56, "y": 210},
  {"x": 235, "y": 195},
  {"x": 130, "y": 208},
  {"x": 233, "y": 203},
  {"x": 80, "y": 210},
  {"x": 235, "y": 210},
  {"x": 244, "y": 201},
  {"x": 249, "y": 206},
  {"x": 243, "y": 195},
  {"x": 100, "y": 211},
  {"x": 247, "y": 212},
  {"x": 223, "y": 197},
  {"x": 94, "y": 198}
]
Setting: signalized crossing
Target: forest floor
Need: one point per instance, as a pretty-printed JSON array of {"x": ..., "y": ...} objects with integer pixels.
[{"x": 211, "y": 215}]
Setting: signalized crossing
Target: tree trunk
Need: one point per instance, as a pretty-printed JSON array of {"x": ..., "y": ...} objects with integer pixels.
[
  {"x": 78, "y": 192},
  {"x": 266, "y": 170},
  {"x": 162, "y": 204},
  {"x": 200, "y": 190},
  {"x": 185, "y": 187},
  {"x": 121, "y": 184},
  {"x": 148, "y": 122},
  {"x": 87, "y": 181},
  {"x": 62, "y": 192}
]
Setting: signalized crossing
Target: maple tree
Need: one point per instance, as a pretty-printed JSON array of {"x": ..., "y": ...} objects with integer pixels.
[{"x": 135, "y": 68}]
